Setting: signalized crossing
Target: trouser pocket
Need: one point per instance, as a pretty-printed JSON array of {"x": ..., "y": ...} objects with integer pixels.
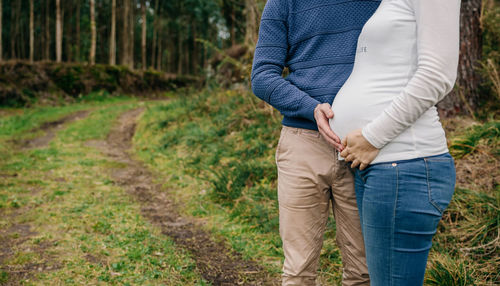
[{"x": 440, "y": 180}]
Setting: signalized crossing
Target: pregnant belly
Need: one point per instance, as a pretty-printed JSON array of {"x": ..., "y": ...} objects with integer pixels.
[{"x": 354, "y": 109}]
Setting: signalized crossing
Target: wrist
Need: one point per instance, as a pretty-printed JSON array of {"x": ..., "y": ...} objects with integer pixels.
[
  {"x": 308, "y": 107},
  {"x": 368, "y": 140}
]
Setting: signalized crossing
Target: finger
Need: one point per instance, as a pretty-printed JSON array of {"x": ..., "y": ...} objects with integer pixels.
[
  {"x": 363, "y": 166},
  {"x": 344, "y": 153},
  {"x": 344, "y": 141},
  {"x": 327, "y": 132},
  {"x": 335, "y": 137},
  {"x": 323, "y": 123},
  {"x": 327, "y": 110},
  {"x": 355, "y": 163},
  {"x": 350, "y": 158},
  {"x": 336, "y": 145}
]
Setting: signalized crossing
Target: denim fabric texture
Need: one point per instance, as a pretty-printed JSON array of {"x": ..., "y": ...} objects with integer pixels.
[{"x": 400, "y": 205}]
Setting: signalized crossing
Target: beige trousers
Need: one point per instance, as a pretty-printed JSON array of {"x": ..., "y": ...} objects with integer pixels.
[{"x": 310, "y": 178}]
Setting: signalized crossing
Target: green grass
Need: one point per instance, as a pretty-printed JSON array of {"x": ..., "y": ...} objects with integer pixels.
[
  {"x": 86, "y": 230},
  {"x": 216, "y": 151},
  {"x": 477, "y": 136},
  {"x": 31, "y": 118},
  {"x": 446, "y": 271}
]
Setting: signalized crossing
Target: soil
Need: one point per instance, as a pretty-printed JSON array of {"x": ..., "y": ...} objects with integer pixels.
[
  {"x": 12, "y": 238},
  {"x": 215, "y": 260},
  {"x": 12, "y": 241},
  {"x": 479, "y": 170},
  {"x": 50, "y": 128}
]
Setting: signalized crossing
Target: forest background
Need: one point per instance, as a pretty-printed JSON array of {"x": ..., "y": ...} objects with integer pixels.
[{"x": 95, "y": 92}]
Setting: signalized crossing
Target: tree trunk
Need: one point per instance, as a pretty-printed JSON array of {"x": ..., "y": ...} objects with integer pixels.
[
  {"x": 195, "y": 54},
  {"x": 58, "y": 32},
  {"x": 12, "y": 35},
  {"x": 465, "y": 97},
  {"x": 1, "y": 32},
  {"x": 233, "y": 26},
  {"x": 67, "y": 38},
  {"x": 15, "y": 11},
  {"x": 170, "y": 53},
  {"x": 125, "y": 34},
  {"x": 132, "y": 36},
  {"x": 77, "y": 45},
  {"x": 32, "y": 31},
  {"x": 251, "y": 32},
  {"x": 47, "y": 30},
  {"x": 19, "y": 37},
  {"x": 21, "y": 48},
  {"x": 112, "y": 38},
  {"x": 93, "y": 33},
  {"x": 159, "y": 55},
  {"x": 144, "y": 26},
  {"x": 180, "y": 55},
  {"x": 156, "y": 15},
  {"x": 39, "y": 39}
]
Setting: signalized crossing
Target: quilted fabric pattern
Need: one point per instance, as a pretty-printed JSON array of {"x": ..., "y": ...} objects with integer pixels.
[{"x": 317, "y": 40}]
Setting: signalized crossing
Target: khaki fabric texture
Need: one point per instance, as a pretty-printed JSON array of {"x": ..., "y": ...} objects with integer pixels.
[{"x": 310, "y": 180}]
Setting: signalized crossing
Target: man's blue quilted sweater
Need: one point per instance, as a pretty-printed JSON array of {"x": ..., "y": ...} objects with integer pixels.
[{"x": 316, "y": 40}]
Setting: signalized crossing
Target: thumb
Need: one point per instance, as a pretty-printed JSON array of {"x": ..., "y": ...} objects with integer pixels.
[
  {"x": 344, "y": 141},
  {"x": 329, "y": 113}
]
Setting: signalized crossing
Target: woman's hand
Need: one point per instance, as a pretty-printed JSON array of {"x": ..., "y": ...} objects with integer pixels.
[{"x": 358, "y": 150}]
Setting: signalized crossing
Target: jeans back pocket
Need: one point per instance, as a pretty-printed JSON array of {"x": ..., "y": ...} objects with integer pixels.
[{"x": 441, "y": 178}]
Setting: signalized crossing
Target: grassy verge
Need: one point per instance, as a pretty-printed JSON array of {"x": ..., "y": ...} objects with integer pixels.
[
  {"x": 64, "y": 219},
  {"x": 18, "y": 121},
  {"x": 216, "y": 150}
]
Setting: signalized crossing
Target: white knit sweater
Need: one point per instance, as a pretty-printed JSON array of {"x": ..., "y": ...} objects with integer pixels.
[{"x": 406, "y": 62}]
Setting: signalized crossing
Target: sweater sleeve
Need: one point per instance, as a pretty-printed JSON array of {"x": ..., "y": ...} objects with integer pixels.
[
  {"x": 438, "y": 49},
  {"x": 269, "y": 61}
]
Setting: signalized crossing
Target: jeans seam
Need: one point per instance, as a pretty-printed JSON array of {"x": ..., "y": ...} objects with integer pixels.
[
  {"x": 393, "y": 227},
  {"x": 429, "y": 189},
  {"x": 361, "y": 176}
]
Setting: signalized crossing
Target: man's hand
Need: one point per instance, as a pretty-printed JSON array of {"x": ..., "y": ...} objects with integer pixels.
[
  {"x": 322, "y": 113},
  {"x": 358, "y": 150}
]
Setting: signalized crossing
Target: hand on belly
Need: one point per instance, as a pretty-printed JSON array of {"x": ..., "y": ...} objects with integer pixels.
[{"x": 358, "y": 150}]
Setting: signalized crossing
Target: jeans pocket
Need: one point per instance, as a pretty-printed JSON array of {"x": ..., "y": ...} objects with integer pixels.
[{"x": 440, "y": 181}]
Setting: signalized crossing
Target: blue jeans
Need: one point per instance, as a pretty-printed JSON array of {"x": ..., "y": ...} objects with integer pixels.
[{"x": 400, "y": 205}]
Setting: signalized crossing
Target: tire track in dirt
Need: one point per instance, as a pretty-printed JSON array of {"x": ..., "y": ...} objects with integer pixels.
[
  {"x": 11, "y": 241},
  {"x": 50, "y": 128},
  {"x": 216, "y": 262},
  {"x": 13, "y": 237}
]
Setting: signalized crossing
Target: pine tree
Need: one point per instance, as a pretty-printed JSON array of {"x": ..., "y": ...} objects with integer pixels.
[
  {"x": 58, "y": 32},
  {"x": 93, "y": 33}
]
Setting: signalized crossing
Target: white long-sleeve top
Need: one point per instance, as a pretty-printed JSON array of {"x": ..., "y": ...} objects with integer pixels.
[{"x": 406, "y": 62}]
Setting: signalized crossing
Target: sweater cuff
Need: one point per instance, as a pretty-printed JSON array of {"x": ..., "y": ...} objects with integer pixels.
[
  {"x": 307, "y": 106},
  {"x": 370, "y": 136}
]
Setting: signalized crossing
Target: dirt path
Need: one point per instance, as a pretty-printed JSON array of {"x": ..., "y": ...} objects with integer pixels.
[
  {"x": 216, "y": 262},
  {"x": 51, "y": 128},
  {"x": 15, "y": 235},
  {"x": 12, "y": 238}
]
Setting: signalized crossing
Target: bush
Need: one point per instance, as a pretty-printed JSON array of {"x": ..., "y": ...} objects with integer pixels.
[{"x": 22, "y": 83}]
